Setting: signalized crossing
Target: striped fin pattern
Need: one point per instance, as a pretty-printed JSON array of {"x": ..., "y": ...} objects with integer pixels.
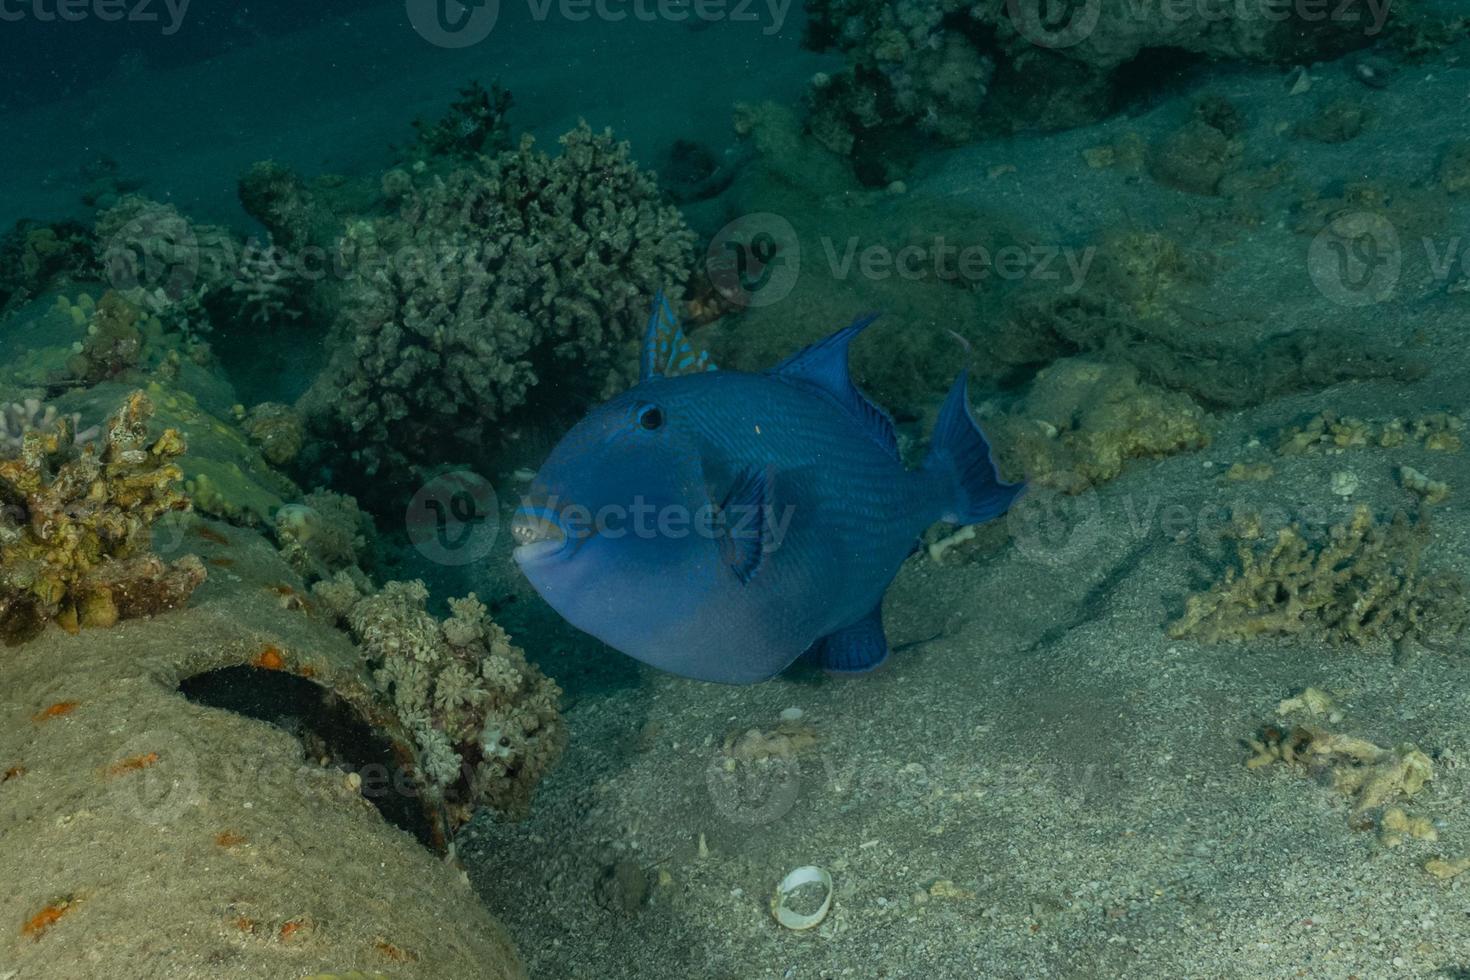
[{"x": 667, "y": 352}]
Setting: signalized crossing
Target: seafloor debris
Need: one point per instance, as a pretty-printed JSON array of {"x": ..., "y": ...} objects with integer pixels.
[
  {"x": 1369, "y": 775},
  {"x": 1435, "y": 431},
  {"x": 1362, "y": 581},
  {"x": 486, "y": 722},
  {"x": 75, "y": 534}
]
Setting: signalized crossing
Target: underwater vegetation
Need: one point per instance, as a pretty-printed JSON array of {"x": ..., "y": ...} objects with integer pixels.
[{"x": 75, "y": 531}]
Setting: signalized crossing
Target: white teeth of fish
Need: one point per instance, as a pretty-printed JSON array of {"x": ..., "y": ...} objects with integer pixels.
[{"x": 529, "y": 530}]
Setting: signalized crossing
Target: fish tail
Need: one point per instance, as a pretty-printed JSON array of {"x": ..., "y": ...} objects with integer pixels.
[{"x": 973, "y": 491}]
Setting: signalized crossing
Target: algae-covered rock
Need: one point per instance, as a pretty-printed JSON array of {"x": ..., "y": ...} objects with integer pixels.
[
  {"x": 224, "y": 474},
  {"x": 278, "y": 430},
  {"x": 1082, "y": 420},
  {"x": 486, "y": 721},
  {"x": 240, "y": 740},
  {"x": 75, "y": 531}
]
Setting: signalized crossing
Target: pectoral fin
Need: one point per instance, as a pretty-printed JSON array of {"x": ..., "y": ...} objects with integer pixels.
[{"x": 743, "y": 520}]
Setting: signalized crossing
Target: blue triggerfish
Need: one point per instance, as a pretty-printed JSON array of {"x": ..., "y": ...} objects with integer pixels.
[{"x": 719, "y": 524}]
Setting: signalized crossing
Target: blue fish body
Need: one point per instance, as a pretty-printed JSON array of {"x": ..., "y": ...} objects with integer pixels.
[{"x": 719, "y": 524}]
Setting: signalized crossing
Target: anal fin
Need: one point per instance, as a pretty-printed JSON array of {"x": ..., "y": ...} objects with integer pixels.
[{"x": 857, "y": 648}]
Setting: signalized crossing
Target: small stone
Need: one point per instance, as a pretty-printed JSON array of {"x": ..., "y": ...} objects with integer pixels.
[
  {"x": 792, "y": 715},
  {"x": 1344, "y": 483}
]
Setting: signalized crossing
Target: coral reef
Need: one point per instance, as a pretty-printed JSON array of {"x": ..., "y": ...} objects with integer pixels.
[
  {"x": 75, "y": 534},
  {"x": 164, "y": 264},
  {"x": 486, "y": 721},
  {"x": 955, "y": 69},
  {"x": 488, "y": 281},
  {"x": 324, "y": 534},
  {"x": 1360, "y": 582},
  {"x": 1082, "y": 419}
]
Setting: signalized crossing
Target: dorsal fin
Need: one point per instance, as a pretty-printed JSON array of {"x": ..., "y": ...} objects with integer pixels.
[
  {"x": 667, "y": 353},
  {"x": 824, "y": 365}
]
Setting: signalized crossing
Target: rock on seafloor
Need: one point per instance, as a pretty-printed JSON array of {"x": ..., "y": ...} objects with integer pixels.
[{"x": 155, "y": 825}]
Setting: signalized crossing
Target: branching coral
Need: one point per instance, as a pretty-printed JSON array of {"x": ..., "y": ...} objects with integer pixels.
[
  {"x": 486, "y": 721},
  {"x": 1362, "y": 582},
  {"x": 490, "y": 280},
  {"x": 75, "y": 532},
  {"x": 32, "y": 415}
]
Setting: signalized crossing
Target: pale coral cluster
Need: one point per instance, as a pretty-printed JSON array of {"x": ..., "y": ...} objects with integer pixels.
[{"x": 486, "y": 721}]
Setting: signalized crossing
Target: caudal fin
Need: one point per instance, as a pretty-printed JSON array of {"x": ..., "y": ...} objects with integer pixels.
[{"x": 960, "y": 455}]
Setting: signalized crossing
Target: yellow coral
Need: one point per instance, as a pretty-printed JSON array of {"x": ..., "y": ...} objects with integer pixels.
[{"x": 74, "y": 540}]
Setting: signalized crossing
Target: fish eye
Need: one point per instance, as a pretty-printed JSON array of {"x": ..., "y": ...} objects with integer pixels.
[{"x": 650, "y": 417}]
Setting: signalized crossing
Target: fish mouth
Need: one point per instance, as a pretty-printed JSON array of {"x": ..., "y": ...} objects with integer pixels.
[{"x": 538, "y": 533}]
